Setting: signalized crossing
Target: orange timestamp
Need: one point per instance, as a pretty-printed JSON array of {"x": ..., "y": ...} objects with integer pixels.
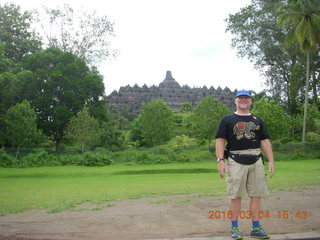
[{"x": 282, "y": 214}]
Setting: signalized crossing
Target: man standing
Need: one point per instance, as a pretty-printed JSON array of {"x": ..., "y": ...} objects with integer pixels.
[{"x": 244, "y": 133}]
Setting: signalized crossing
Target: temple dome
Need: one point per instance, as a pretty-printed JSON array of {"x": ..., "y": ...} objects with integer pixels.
[{"x": 169, "y": 82}]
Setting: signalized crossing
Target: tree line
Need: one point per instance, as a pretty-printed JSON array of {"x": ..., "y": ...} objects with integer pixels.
[{"x": 51, "y": 93}]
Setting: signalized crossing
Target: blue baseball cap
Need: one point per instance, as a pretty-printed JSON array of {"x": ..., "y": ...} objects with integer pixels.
[{"x": 243, "y": 92}]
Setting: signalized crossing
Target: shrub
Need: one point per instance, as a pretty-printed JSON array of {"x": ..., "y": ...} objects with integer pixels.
[
  {"x": 162, "y": 150},
  {"x": 183, "y": 158},
  {"x": 70, "y": 159},
  {"x": 38, "y": 159},
  {"x": 5, "y": 159},
  {"x": 91, "y": 159},
  {"x": 179, "y": 157},
  {"x": 313, "y": 137},
  {"x": 143, "y": 158},
  {"x": 161, "y": 160},
  {"x": 297, "y": 154}
]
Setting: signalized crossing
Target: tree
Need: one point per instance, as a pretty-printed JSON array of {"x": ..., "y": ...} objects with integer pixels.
[
  {"x": 84, "y": 129},
  {"x": 296, "y": 122},
  {"x": 136, "y": 131},
  {"x": 5, "y": 63},
  {"x": 21, "y": 123},
  {"x": 82, "y": 33},
  {"x": 16, "y": 32},
  {"x": 63, "y": 85},
  {"x": 258, "y": 37},
  {"x": 15, "y": 88},
  {"x": 186, "y": 107},
  {"x": 181, "y": 141},
  {"x": 156, "y": 122},
  {"x": 206, "y": 117},
  {"x": 8, "y": 91},
  {"x": 302, "y": 17},
  {"x": 274, "y": 117}
]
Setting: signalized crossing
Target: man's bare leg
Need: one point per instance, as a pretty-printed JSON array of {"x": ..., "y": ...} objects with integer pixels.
[
  {"x": 235, "y": 207},
  {"x": 255, "y": 207}
]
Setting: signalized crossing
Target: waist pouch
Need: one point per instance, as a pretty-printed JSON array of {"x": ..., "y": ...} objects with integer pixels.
[{"x": 245, "y": 158}]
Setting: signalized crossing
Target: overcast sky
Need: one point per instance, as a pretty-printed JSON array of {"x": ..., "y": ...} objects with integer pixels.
[{"x": 186, "y": 37}]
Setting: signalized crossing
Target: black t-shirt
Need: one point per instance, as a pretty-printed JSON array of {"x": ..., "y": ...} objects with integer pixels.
[{"x": 242, "y": 132}]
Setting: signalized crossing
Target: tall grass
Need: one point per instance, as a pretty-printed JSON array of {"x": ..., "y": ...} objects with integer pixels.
[{"x": 59, "y": 188}]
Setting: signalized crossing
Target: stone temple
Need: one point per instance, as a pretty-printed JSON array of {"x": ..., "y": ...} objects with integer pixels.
[{"x": 170, "y": 91}]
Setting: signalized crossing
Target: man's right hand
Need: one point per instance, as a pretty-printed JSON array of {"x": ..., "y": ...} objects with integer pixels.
[{"x": 221, "y": 168}]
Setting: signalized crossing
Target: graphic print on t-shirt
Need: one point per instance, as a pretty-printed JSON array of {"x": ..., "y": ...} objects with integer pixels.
[{"x": 245, "y": 129}]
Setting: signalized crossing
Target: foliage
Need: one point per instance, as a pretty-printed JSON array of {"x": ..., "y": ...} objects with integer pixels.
[
  {"x": 126, "y": 139},
  {"x": 179, "y": 157},
  {"x": 110, "y": 135},
  {"x": 313, "y": 118},
  {"x": 136, "y": 131},
  {"x": 206, "y": 117},
  {"x": 70, "y": 159},
  {"x": 143, "y": 158},
  {"x": 15, "y": 88},
  {"x": 21, "y": 126},
  {"x": 181, "y": 141},
  {"x": 317, "y": 125},
  {"x": 295, "y": 122},
  {"x": 258, "y": 37},
  {"x": 64, "y": 84},
  {"x": 116, "y": 126},
  {"x": 302, "y": 17},
  {"x": 5, "y": 63},
  {"x": 83, "y": 33},
  {"x": 274, "y": 117},
  {"x": 156, "y": 122},
  {"x": 16, "y": 32},
  {"x": 161, "y": 160},
  {"x": 186, "y": 107},
  {"x": 38, "y": 159},
  {"x": 94, "y": 159},
  {"x": 313, "y": 137},
  {"x": 180, "y": 127},
  {"x": 5, "y": 159},
  {"x": 8, "y": 91},
  {"x": 84, "y": 129}
]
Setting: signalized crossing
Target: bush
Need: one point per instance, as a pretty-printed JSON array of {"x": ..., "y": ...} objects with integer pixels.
[
  {"x": 179, "y": 157},
  {"x": 162, "y": 150},
  {"x": 5, "y": 159},
  {"x": 38, "y": 159},
  {"x": 161, "y": 160},
  {"x": 70, "y": 159},
  {"x": 143, "y": 158},
  {"x": 297, "y": 154},
  {"x": 313, "y": 137},
  {"x": 91, "y": 159}
]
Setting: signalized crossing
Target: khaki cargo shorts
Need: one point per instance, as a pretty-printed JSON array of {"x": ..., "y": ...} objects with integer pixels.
[{"x": 242, "y": 179}]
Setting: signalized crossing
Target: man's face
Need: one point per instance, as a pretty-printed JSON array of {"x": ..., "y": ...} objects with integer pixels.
[{"x": 243, "y": 102}]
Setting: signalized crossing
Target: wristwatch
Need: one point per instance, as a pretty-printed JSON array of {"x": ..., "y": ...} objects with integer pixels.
[{"x": 220, "y": 159}]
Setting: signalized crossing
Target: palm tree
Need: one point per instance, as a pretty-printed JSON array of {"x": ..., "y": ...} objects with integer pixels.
[{"x": 302, "y": 17}]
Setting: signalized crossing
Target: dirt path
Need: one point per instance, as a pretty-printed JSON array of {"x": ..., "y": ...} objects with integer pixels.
[{"x": 162, "y": 217}]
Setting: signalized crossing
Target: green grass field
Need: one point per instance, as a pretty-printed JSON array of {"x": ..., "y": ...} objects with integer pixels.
[{"x": 58, "y": 188}]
